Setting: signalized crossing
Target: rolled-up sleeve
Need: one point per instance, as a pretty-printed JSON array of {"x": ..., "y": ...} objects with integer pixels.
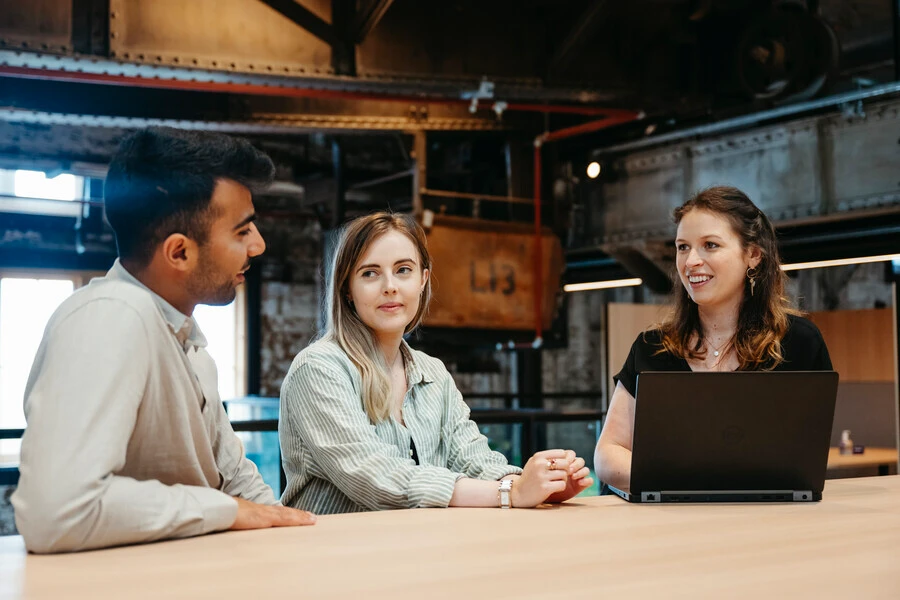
[
  {"x": 321, "y": 412},
  {"x": 469, "y": 452}
]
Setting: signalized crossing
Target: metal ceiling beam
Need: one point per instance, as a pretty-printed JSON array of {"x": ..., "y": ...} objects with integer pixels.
[
  {"x": 306, "y": 19},
  {"x": 583, "y": 28},
  {"x": 895, "y": 18},
  {"x": 368, "y": 18},
  {"x": 343, "y": 54},
  {"x": 263, "y": 125},
  {"x": 521, "y": 96},
  {"x": 754, "y": 119}
]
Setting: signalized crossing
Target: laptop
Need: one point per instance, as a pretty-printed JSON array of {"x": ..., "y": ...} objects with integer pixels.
[{"x": 745, "y": 436}]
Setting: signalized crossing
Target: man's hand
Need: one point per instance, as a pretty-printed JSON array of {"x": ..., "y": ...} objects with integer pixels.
[{"x": 251, "y": 515}]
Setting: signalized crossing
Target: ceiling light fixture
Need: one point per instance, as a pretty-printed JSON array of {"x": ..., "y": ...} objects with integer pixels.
[
  {"x": 839, "y": 262},
  {"x": 602, "y": 285}
]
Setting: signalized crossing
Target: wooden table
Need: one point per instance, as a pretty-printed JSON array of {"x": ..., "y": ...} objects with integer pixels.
[
  {"x": 882, "y": 458},
  {"x": 847, "y": 546}
]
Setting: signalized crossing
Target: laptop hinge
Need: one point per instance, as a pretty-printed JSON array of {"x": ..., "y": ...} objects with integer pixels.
[
  {"x": 803, "y": 496},
  {"x": 651, "y": 497}
]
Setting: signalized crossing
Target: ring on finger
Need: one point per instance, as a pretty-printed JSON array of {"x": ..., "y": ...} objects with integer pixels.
[{"x": 551, "y": 464}]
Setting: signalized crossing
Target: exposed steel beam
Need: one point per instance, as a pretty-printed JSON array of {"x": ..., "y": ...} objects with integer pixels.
[
  {"x": 251, "y": 89},
  {"x": 306, "y": 19},
  {"x": 585, "y": 25},
  {"x": 368, "y": 18}
]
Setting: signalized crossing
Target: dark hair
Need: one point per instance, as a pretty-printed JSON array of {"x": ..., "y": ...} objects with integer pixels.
[
  {"x": 763, "y": 315},
  {"x": 161, "y": 181}
]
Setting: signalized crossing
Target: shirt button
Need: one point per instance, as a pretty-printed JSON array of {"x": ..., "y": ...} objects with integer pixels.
[{"x": 410, "y": 452}]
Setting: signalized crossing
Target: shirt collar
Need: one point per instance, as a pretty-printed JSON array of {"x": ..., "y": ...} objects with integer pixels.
[
  {"x": 185, "y": 328},
  {"x": 414, "y": 374}
]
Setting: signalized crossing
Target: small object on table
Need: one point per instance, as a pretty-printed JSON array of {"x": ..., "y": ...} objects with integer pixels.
[
  {"x": 846, "y": 445},
  {"x": 859, "y": 449}
]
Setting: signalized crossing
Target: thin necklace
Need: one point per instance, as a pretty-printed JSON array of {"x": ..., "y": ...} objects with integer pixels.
[{"x": 717, "y": 351}]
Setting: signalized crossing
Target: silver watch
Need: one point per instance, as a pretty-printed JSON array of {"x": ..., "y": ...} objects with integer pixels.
[{"x": 503, "y": 494}]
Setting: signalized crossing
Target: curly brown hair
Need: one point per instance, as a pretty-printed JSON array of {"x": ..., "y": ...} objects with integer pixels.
[{"x": 763, "y": 314}]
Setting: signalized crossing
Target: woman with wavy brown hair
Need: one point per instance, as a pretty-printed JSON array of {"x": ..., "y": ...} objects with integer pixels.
[{"x": 730, "y": 314}]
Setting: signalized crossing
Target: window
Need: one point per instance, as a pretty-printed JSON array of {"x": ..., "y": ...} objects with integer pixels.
[
  {"x": 26, "y": 305},
  {"x": 36, "y": 184},
  {"x": 27, "y": 301},
  {"x": 223, "y": 327},
  {"x": 33, "y": 192}
]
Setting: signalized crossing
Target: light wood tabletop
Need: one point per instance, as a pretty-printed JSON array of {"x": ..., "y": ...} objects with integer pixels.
[
  {"x": 872, "y": 457},
  {"x": 847, "y": 546}
]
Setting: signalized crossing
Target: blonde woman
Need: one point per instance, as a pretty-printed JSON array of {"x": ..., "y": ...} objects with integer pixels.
[{"x": 368, "y": 423}]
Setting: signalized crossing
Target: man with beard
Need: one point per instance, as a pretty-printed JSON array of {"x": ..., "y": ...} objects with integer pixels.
[{"x": 127, "y": 439}]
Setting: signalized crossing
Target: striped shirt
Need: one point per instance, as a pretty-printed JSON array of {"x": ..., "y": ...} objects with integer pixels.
[{"x": 337, "y": 461}]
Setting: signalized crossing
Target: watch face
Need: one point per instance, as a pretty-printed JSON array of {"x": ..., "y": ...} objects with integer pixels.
[{"x": 505, "y": 487}]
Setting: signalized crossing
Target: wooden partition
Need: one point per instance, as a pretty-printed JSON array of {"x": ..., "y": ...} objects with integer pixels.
[
  {"x": 624, "y": 322},
  {"x": 861, "y": 345},
  {"x": 860, "y": 342}
]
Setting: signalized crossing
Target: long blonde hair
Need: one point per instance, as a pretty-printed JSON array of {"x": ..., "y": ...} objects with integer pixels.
[{"x": 342, "y": 323}]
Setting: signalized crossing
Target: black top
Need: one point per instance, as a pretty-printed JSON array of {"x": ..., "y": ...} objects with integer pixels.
[
  {"x": 413, "y": 454},
  {"x": 803, "y": 349}
]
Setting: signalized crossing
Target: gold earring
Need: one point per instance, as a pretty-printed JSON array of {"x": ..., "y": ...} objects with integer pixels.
[{"x": 752, "y": 278}]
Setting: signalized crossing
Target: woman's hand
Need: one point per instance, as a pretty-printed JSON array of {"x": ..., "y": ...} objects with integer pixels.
[
  {"x": 578, "y": 479},
  {"x": 544, "y": 475}
]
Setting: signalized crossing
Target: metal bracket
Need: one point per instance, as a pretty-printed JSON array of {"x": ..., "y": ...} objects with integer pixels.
[{"x": 485, "y": 91}]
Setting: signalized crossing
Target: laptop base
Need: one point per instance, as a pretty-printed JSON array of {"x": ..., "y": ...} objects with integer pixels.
[{"x": 664, "y": 496}]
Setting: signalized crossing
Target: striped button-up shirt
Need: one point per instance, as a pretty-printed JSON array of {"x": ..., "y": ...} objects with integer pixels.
[{"x": 337, "y": 461}]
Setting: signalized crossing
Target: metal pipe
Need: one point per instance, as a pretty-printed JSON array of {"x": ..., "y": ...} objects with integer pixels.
[
  {"x": 590, "y": 127},
  {"x": 756, "y": 118},
  {"x": 539, "y": 141},
  {"x": 895, "y": 14},
  {"x": 255, "y": 89},
  {"x": 538, "y": 250},
  {"x": 467, "y": 195},
  {"x": 379, "y": 180}
]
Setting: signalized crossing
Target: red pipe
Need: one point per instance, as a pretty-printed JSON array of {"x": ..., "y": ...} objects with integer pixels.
[
  {"x": 619, "y": 117},
  {"x": 288, "y": 92},
  {"x": 622, "y": 116},
  {"x": 538, "y": 249}
]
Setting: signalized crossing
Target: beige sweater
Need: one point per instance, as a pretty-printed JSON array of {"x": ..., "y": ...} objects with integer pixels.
[{"x": 126, "y": 440}]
